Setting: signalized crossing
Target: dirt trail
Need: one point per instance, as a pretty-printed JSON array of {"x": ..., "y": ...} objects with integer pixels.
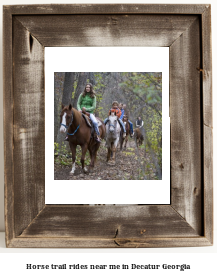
[{"x": 128, "y": 163}]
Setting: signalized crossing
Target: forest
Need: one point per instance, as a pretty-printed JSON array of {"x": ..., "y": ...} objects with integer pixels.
[{"x": 141, "y": 92}]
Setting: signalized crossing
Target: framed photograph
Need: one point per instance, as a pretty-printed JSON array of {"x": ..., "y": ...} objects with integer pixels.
[
  {"x": 113, "y": 46},
  {"x": 144, "y": 94}
]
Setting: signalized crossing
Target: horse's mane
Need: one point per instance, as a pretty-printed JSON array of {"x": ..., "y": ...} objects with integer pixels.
[{"x": 76, "y": 113}]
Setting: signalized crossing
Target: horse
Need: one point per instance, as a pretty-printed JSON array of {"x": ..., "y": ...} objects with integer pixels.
[
  {"x": 138, "y": 137},
  {"x": 112, "y": 137},
  {"x": 125, "y": 139},
  {"x": 79, "y": 133}
]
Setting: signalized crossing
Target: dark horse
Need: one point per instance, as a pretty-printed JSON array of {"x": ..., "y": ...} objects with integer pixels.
[
  {"x": 138, "y": 137},
  {"x": 125, "y": 139},
  {"x": 79, "y": 133}
]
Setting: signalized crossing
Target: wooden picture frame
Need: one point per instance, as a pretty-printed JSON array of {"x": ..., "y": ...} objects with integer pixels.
[{"x": 186, "y": 30}]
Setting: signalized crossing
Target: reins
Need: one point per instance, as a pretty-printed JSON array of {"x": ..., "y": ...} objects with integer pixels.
[{"x": 74, "y": 131}]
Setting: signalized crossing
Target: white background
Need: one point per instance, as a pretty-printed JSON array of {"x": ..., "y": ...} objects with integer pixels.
[
  {"x": 139, "y": 59},
  {"x": 202, "y": 259}
]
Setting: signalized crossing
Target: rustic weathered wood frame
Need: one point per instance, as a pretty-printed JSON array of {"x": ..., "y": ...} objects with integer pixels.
[{"x": 186, "y": 29}]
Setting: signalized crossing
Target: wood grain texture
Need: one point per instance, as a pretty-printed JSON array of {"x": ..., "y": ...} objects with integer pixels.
[
  {"x": 8, "y": 125},
  {"x": 185, "y": 113},
  {"x": 109, "y": 222},
  {"x": 106, "y": 9},
  {"x": 186, "y": 29},
  {"x": 62, "y": 242},
  {"x": 107, "y": 30},
  {"x": 29, "y": 119},
  {"x": 207, "y": 67},
  {"x": 208, "y": 183},
  {"x": 207, "y": 122}
]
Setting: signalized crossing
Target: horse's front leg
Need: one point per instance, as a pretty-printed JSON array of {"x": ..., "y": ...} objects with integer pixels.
[
  {"x": 121, "y": 141},
  {"x": 126, "y": 140},
  {"x": 73, "y": 150},
  {"x": 114, "y": 148},
  {"x": 108, "y": 145},
  {"x": 108, "y": 154},
  {"x": 84, "y": 150}
]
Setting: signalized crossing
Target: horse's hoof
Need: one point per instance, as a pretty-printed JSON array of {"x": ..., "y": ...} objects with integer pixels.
[
  {"x": 71, "y": 173},
  {"x": 85, "y": 170},
  {"x": 90, "y": 169},
  {"x": 111, "y": 162}
]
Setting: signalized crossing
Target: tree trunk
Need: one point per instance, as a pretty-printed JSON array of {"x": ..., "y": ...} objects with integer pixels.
[
  {"x": 58, "y": 90},
  {"x": 92, "y": 78},
  {"x": 68, "y": 88},
  {"x": 82, "y": 80}
]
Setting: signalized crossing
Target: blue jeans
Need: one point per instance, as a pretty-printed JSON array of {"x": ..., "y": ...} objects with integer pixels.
[
  {"x": 131, "y": 127},
  {"x": 120, "y": 122},
  {"x": 95, "y": 123}
]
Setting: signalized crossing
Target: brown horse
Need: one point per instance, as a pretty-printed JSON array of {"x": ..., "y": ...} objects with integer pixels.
[
  {"x": 125, "y": 139},
  {"x": 138, "y": 137},
  {"x": 79, "y": 133}
]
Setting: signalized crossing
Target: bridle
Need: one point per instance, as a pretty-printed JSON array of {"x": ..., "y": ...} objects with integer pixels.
[
  {"x": 67, "y": 127},
  {"x": 113, "y": 125}
]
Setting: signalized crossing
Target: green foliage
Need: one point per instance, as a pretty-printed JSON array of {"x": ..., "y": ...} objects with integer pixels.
[
  {"x": 99, "y": 88},
  {"x": 142, "y": 93},
  {"x": 145, "y": 87},
  {"x": 78, "y": 157},
  {"x": 153, "y": 129},
  {"x": 128, "y": 153},
  {"x": 56, "y": 148},
  {"x": 64, "y": 157}
]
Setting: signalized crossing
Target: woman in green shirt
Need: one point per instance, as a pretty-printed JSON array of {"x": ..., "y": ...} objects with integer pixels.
[{"x": 87, "y": 103}]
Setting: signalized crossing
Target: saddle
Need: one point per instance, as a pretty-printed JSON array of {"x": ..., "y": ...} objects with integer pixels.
[
  {"x": 88, "y": 121},
  {"x": 89, "y": 124}
]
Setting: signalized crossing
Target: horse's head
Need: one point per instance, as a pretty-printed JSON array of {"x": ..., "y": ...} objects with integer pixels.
[
  {"x": 112, "y": 123},
  {"x": 66, "y": 118},
  {"x": 125, "y": 119}
]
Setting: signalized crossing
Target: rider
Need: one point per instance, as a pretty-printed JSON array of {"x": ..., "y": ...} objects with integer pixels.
[
  {"x": 123, "y": 108},
  {"x": 118, "y": 114},
  {"x": 125, "y": 119},
  {"x": 139, "y": 122},
  {"x": 87, "y": 103}
]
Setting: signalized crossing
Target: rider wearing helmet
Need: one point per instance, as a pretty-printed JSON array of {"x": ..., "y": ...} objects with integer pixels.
[{"x": 116, "y": 110}]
